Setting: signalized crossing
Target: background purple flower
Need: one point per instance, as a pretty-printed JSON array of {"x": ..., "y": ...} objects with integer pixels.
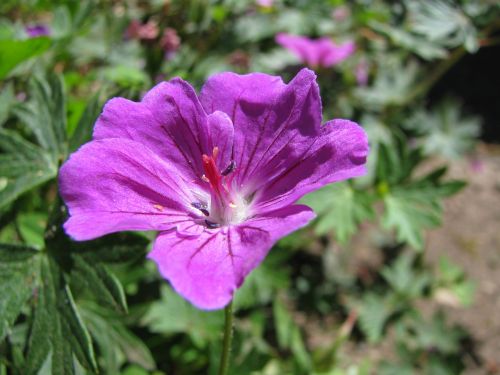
[
  {"x": 322, "y": 52},
  {"x": 217, "y": 175},
  {"x": 34, "y": 31},
  {"x": 362, "y": 72},
  {"x": 170, "y": 42}
]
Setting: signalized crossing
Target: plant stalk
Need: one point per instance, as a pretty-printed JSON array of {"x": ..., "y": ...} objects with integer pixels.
[{"x": 228, "y": 338}]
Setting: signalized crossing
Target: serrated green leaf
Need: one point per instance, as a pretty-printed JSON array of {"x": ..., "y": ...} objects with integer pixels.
[
  {"x": 373, "y": 314},
  {"x": 404, "y": 278},
  {"x": 410, "y": 213},
  {"x": 18, "y": 280},
  {"x": 289, "y": 335},
  {"x": 99, "y": 281},
  {"x": 116, "y": 342},
  {"x": 445, "y": 130},
  {"x": 83, "y": 131},
  {"x": 7, "y": 100},
  {"x": 393, "y": 84},
  {"x": 45, "y": 114},
  {"x": 114, "y": 248},
  {"x": 341, "y": 209},
  {"x": 172, "y": 314},
  {"x": 31, "y": 227},
  {"x": 14, "y": 52},
  {"x": 57, "y": 329},
  {"x": 420, "y": 45},
  {"x": 22, "y": 167},
  {"x": 261, "y": 285}
]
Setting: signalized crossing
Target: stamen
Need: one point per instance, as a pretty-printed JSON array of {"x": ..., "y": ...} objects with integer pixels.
[
  {"x": 229, "y": 169},
  {"x": 202, "y": 207},
  {"x": 211, "y": 225},
  {"x": 215, "y": 152}
]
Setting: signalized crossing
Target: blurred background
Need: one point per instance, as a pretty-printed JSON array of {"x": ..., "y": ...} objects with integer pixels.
[{"x": 400, "y": 272}]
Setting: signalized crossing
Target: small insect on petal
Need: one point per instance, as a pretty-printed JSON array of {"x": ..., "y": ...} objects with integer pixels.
[{"x": 159, "y": 207}]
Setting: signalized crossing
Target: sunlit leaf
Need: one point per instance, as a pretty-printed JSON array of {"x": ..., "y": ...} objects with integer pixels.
[{"x": 14, "y": 52}]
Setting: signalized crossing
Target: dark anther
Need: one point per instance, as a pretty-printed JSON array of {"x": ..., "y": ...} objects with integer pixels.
[
  {"x": 211, "y": 225},
  {"x": 201, "y": 207},
  {"x": 230, "y": 168}
]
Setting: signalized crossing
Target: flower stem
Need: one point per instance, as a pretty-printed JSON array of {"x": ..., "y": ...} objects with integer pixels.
[{"x": 228, "y": 338}]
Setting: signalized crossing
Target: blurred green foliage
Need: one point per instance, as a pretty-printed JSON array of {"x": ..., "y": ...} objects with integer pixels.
[{"x": 99, "y": 306}]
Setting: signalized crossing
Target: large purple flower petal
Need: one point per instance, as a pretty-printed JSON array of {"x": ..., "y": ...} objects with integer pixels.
[
  {"x": 207, "y": 268},
  {"x": 113, "y": 185},
  {"x": 337, "y": 154},
  {"x": 268, "y": 116},
  {"x": 170, "y": 121}
]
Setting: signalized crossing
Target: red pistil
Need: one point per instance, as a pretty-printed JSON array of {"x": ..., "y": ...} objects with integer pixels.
[{"x": 212, "y": 173}]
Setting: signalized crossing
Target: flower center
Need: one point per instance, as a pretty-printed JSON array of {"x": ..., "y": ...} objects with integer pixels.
[{"x": 226, "y": 205}]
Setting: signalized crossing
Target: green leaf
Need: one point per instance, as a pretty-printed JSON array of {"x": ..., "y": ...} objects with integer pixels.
[
  {"x": 341, "y": 209},
  {"x": 373, "y": 314},
  {"x": 45, "y": 114},
  {"x": 114, "y": 248},
  {"x": 393, "y": 84},
  {"x": 99, "y": 281},
  {"x": 261, "y": 285},
  {"x": 410, "y": 212},
  {"x": 22, "y": 167},
  {"x": 83, "y": 131},
  {"x": 57, "y": 330},
  {"x": 116, "y": 342},
  {"x": 7, "y": 100},
  {"x": 289, "y": 335},
  {"x": 445, "y": 131},
  {"x": 31, "y": 227},
  {"x": 14, "y": 52},
  {"x": 404, "y": 278},
  {"x": 442, "y": 22},
  {"x": 18, "y": 282},
  {"x": 173, "y": 314}
]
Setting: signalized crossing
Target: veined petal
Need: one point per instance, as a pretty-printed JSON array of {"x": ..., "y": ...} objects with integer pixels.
[
  {"x": 207, "y": 268},
  {"x": 268, "y": 116},
  {"x": 339, "y": 153},
  {"x": 117, "y": 184},
  {"x": 169, "y": 120}
]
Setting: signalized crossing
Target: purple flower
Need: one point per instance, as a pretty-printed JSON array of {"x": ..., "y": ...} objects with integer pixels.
[
  {"x": 316, "y": 52},
  {"x": 217, "y": 175},
  {"x": 362, "y": 72},
  {"x": 35, "y": 31},
  {"x": 264, "y": 3}
]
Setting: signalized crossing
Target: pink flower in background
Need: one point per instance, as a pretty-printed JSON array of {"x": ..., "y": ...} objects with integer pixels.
[
  {"x": 217, "y": 174},
  {"x": 170, "y": 42},
  {"x": 264, "y": 3},
  {"x": 322, "y": 52},
  {"x": 362, "y": 72},
  {"x": 341, "y": 13},
  {"x": 35, "y": 31},
  {"x": 143, "y": 31}
]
